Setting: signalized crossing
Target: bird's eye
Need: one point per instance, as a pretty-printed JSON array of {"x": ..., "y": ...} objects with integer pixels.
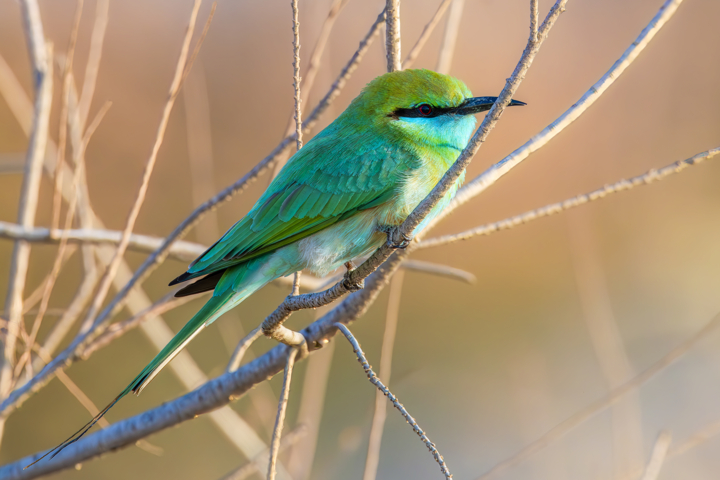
[{"x": 424, "y": 110}]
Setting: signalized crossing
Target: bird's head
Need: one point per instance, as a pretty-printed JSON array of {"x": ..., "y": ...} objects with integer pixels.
[{"x": 421, "y": 106}]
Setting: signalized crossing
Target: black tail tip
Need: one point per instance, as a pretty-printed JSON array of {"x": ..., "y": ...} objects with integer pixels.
[{"x": 181, "y": 278}]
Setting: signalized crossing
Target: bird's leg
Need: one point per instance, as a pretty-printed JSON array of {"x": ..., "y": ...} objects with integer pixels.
[
  {"x": 348, "y": 282},
  {"x": 395, "y": 237}
]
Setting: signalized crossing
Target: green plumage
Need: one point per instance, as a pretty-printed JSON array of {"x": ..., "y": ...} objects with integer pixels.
[{"x": 368, "y": 169}]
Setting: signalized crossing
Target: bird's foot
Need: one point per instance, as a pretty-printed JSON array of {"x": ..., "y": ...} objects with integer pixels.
[
  {"x": 348, "y": 282},
  {"x": 396, "y": 239}
]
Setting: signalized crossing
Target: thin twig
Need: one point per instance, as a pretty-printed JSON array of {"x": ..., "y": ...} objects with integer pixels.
[
  {"x": 439, "y": 270},
  {"x": 392, "y": 35},
  {"x": 70, "y": 215},
  {"x": 534, "y": 12},
  {"x": 225, "y": 419},
  {"x": 62, "y": 128},
  {"x": 113, "y": 266},
  {"x": 382, "y": 388},
  {"x": 159, "y": 255},
  {"x": 310, "y": 412},
  {"x": 269, "y": 364},
  {"x": 93, "y": 63},
  {"x": 193, "y": 56},
  {"x": 452, "y": 27},
  {"x": 451, "y": 177},
  {"x": 657, "y": 458},
  {"x": 76, "y": 192},
  {"x": 296, "y": 74},
  {"x": 241, "y": 349},
  {"x": 247, "y": 470},
  {"x": 378, "y": 422},
  {"x": 354, "y": 279},
  {"x": 41, "y": 60},
  {"x": 602, "y": 404},
  {"x": 280, "y": 419},
  {"x": 621, "y": 185},
  {"x": 32, "y": 300},
  {"x": 181, "y": 250},
  {"x": 116, "y": 330},
  {"x": 425, "y": 34},
  {"x": 480, "y": 183},
  {"x": 308, "y": 80}
]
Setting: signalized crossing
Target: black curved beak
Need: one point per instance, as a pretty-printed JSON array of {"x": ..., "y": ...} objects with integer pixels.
[{"x": 481, "y": 104}]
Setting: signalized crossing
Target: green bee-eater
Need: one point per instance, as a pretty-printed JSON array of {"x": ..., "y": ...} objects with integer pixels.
[{"x": 367, "y": 170}]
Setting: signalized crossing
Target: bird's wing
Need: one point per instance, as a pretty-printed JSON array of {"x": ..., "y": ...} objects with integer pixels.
[{"x": 323, "y": 183}]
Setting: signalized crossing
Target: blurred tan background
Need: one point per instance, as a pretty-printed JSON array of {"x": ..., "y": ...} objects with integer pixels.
[{"x": 485, "y": 368}]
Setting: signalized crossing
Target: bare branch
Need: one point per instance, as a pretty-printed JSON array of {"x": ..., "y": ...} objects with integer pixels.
[
  {"x": 112, "y": 268},
  {"x": 247, "y": 470},
  {"x": 354, "y": 279},
  {"x": 116, "y": 330},
  {"x": 534, "y": 19},
  {"x": 458, "y": 168},
  {"x": 93, "y": 64},
  {"x": 282, "y": 408},
  {"x": 392, "y": 35},
  {"x": 296, "y": 74},
  {"x": 307, "y": 82},
  {"x": 159, "y": 255},
  {"x": 228, "y": 422},
  {"x": 658, "y": 456},
  {"x": 41, "y": 59},
  {"x": 619, "y": 186},
  {"x": 242, "y": 348},
  {"x": 378, "y": 422},
  {"x": 213, "y": 394},
  {"x": 490, "y": 176},
  {"x": 387, "y": 393},
  {"x": 439, "y": 270},
  {"x": 64, "y": 100},
  {"x": 310, "y": 412},
  {"x": 452, "y": 27},
  {"x": 181, "y": 250},
  {"x": 429, "y": 28}
]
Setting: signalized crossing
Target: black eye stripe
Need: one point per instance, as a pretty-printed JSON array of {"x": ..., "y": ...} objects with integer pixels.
[{"x": 414, "y": 112}]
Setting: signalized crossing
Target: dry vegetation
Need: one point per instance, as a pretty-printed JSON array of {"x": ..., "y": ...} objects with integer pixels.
[{"x": 34, "y": 354}]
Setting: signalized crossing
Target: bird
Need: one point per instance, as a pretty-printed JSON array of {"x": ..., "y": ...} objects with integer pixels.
[{"x": 334, "y": 200}]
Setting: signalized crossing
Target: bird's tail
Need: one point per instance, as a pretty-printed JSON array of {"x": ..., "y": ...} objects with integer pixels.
[{"x": 214, "y": 308}]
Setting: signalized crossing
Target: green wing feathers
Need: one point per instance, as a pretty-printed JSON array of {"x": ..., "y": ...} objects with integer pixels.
[{"x": 320, "y": 185}]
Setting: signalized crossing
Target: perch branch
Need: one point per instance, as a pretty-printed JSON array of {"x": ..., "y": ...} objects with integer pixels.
[{"x": 354, "y": 279}]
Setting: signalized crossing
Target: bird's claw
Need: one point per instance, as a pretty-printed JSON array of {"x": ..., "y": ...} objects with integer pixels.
[
  {"x": 348, "y": 283},
  {"x": 396, "y": 239}
]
